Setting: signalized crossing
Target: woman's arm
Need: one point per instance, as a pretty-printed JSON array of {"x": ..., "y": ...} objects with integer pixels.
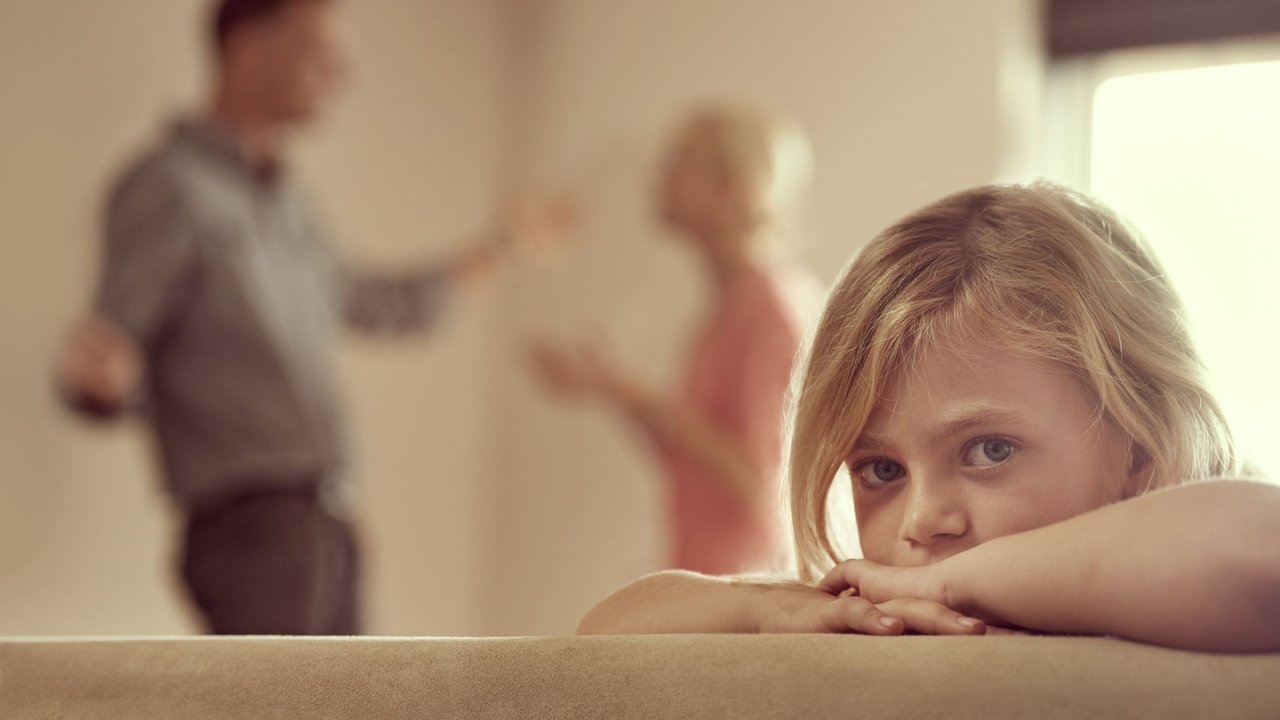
[
  {"x": 673, "y": 428},
  {"x": 742, "y": 445},
  {"x": 1195, "y": 567},
  {"x": 668, "y": 425}
]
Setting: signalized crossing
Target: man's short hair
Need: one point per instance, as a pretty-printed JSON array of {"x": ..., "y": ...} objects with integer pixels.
[{"x": 229, "y": 16}]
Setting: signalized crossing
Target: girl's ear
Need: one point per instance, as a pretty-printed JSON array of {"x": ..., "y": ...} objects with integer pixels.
[{"x": 1138, "y": 479}]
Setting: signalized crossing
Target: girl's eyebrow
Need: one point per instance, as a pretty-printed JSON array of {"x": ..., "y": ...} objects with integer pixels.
[
  {"x": 974, "y": 417},
  {"x": 962, "y": 420}
]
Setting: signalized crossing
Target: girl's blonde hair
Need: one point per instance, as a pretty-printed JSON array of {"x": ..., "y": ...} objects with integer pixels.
[{"x": 1036, "y": 269}]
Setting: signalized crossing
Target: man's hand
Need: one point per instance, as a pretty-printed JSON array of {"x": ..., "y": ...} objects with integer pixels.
[
  {"x": 101, "y": 368},
  {"x": 536, "y": 226},
  {"x": 528, "y": 227},
  {"x": 798, "y": 608}
]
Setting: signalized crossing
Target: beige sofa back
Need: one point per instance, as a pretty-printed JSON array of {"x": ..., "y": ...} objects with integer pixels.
[{"x": 628, "y": 677}]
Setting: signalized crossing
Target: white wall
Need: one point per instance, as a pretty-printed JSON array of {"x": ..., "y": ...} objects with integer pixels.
[
  {"x": 489, "y": 509},
  {"x": 905, "y": 101},
  {"x": 83, "y": 538},
  {"x": 412, "y": 168},
  {"x": 409, "y": 164}
]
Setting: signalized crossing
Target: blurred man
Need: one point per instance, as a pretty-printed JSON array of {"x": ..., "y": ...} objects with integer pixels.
[{"x": 216, "y": 311}]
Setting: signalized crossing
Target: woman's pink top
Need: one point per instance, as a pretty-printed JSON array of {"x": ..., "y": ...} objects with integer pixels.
[{"x": 738, "y": 379}]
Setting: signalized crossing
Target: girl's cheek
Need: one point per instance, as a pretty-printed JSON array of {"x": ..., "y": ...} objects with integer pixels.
[{"x": 876, "y": 534}]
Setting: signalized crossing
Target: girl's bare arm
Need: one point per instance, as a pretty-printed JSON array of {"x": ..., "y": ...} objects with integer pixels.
[
  {"x": 1195, "y": 567},
  {"x": 684, "y": 602}
]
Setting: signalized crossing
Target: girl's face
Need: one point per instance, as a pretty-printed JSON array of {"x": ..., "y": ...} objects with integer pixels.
[{"x": 972, "y": 445}]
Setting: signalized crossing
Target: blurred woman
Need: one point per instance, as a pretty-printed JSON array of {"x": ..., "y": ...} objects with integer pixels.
[{"x": 731, "y": 176}]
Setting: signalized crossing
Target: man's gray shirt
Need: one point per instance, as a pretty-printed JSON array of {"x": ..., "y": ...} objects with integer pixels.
[{"x": 230, "y": 286}]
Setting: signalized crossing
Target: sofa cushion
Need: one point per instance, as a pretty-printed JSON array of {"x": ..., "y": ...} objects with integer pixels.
[{"x": 782, "y": 676}]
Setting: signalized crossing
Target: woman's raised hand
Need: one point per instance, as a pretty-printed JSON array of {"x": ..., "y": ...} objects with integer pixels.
[{"x": 571, "y": 371}]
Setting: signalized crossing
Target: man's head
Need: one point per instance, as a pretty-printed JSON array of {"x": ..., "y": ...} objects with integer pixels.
[{"x": 283, "y": 58}]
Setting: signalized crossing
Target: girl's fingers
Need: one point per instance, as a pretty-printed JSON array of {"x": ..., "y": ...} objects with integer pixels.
[
  {"x": 843, "y": 576},
  {"x": 997, "y": 630},
  {"x": 855, "y": 614},
  {"x": 929, "y": 618}
]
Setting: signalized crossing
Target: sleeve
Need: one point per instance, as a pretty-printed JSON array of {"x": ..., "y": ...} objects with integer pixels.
[
  {"x": 392, "y": 302},
  {"x": 403, "y": 302},
  {"x": 149, "y": 256}
]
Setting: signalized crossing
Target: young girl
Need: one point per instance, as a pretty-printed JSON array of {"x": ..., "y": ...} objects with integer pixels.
[
  {"x": 1007, "y": 376},
  {"x": 730, "y": 175}
]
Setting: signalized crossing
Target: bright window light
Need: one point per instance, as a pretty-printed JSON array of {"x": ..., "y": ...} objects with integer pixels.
[{"x": 1192, "y": 158}]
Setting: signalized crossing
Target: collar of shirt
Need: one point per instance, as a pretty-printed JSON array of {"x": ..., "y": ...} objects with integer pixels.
[{"x": 220, "y": 142}]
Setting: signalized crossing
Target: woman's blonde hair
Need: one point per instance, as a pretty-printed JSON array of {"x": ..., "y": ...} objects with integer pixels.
[
  {"x": 1035, "y": 269},
  {"x": 770, "y": 157}
]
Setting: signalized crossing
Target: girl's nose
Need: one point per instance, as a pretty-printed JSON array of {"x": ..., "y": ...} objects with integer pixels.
[{"x": 934, "y": 514}]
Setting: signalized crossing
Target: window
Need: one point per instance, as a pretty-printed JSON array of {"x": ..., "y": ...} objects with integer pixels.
[{"x": 1185, "y": 143}]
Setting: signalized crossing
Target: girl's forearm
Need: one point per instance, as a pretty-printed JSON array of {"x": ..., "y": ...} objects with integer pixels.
[
  {"x": 1195, "y": 567},
  {"x": 675, "y": 602}
]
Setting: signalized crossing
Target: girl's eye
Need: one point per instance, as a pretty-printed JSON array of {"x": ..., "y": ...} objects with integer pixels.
[
  {"x": 877, "y": 473},
  {"x": 988, "y": 452}
]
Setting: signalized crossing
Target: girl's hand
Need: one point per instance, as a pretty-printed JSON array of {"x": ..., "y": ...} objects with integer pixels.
[
  {"x": 880, "y": 583},
  {"x": 798, "y": 608},
  {"x": 884, "y": 584}
]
